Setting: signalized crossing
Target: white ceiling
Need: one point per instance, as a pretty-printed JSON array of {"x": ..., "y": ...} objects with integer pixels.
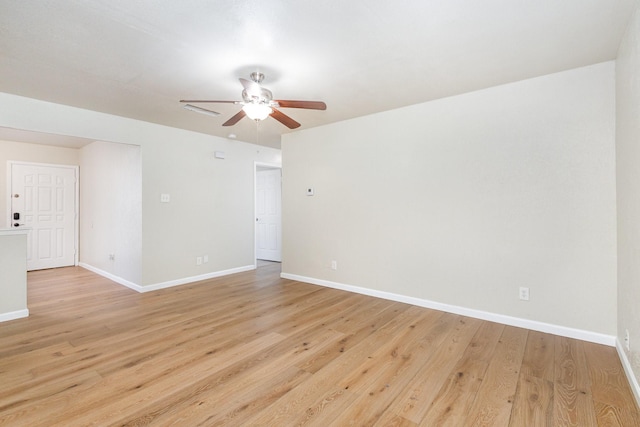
[{"x": 138, "y": 58}]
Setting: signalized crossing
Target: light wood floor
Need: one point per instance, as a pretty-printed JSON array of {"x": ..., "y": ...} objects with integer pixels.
[{"x": 254, "y": 349}]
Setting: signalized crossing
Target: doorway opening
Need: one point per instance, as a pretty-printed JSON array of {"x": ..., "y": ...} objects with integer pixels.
[
  {"x": 43, "y": 198},
  {"x": 268, "y": 213}
]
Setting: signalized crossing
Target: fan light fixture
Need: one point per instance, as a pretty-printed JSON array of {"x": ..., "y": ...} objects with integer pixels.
[{"x": 257, "y": 111}]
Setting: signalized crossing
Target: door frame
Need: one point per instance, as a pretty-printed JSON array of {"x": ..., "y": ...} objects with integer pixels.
[
  {"x": 76, "y": 213},
  {"x": 257, "y": 165}
]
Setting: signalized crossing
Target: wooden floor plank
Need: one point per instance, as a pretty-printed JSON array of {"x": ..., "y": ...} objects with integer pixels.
[
  {"x": 247, "y": 373},
  {"x": 37, "y": 405},
  {"x": 361, "y": 324},
  {"x": 533, "y": 402},
  {"x": 152, "y": 381},
  {"x": 573, "y": 403},
  {"x": 389, "y": 369},
  {"x": 498, "y": 387},
  {"x": 539, "y": 357},
  {"x": 418, "y": 397},
  {"x": 324, "y": 385},
  {"x": 452, "y": 404},
  {"x": 255, "y": 349},
  {"x": 611, "y": 393}
]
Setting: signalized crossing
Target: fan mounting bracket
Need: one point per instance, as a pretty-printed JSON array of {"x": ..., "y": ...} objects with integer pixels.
[{"x": 257, "y": 76}]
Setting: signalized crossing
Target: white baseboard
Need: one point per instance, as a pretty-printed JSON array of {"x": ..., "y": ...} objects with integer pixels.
[
  {"x": 112, "y": 277},
  {"x": 12, "y": 315},
  {"x": 564, "y": 331},
  {"x": 626, "y": 364},
  {"x": 169, "y": 284},
  {"x": 192, "y": 279}
]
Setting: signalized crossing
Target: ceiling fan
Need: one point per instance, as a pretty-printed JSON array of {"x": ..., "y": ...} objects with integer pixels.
[{"x": 258, "y": 104}]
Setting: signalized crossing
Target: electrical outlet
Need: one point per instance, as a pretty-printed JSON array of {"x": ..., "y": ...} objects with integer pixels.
[
  {"x": 334, "y": 265},
  {"x": 112, "y": 257},
  {"x": 524, "y": 293},
  {"x": 199, "y": 260},
  {"x": 205, "y": 259},
  {"x": 627, "y": 344},
  {"x": 165, "y": 198}
]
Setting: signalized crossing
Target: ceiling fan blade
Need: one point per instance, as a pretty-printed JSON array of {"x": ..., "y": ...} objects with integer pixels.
[
  {"x": 284, "y": 119},
  {"x": 235, "y": 119},
  {"x": 252, "y": 88},
  {"x": 311, "y": 105},
  {"x": 209, "y": 100}
]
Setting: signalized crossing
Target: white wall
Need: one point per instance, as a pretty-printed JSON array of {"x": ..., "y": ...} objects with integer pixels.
[
  {"x": 34, "y": 153},
  {"x": 211, "y": 210},
  {"x": 628, "y": 189},
  {"x": 111, "y": 209},
  {"x": 463, "y": 200},
  {"x": 13, "y": 274}
]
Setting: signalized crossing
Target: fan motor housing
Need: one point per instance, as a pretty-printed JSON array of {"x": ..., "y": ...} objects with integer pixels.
[{"x": 264, "y": 97}]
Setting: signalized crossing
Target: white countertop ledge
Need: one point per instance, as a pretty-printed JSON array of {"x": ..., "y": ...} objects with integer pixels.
[{"x": 13, "y": 231}]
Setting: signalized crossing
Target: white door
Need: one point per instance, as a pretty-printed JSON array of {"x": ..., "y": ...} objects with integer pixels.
[
  {"x": 43, "y": 198},
  {"x": 268, "y": 215}
]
